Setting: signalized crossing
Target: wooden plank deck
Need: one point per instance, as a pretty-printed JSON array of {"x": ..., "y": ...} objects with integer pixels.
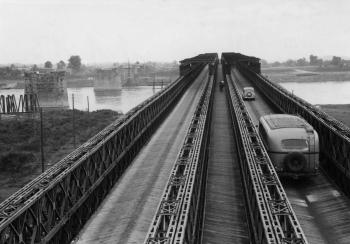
[
  {"x": 225, "y": 216},
  {"x": 127, "y": 212}
]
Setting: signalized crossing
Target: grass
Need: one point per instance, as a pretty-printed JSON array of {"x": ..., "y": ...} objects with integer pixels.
[
  {"x": 20, "y": 157},
  {"x": 339, "y": 111}
]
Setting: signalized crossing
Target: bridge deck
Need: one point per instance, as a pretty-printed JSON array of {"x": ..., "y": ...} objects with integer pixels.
[
  {"x": 224, "y": 220},
  {"x": 126, "y": 214},
  {"x": 322, "y": 210}
]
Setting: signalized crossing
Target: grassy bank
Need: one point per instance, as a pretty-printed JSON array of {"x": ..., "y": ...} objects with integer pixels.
[
  {"x": 304, "y": 74},
  {"x": 20, "y": 157},
  {"x": 339, "y": 111}
]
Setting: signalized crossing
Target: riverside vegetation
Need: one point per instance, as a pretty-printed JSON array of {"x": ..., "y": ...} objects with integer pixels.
[{"x": 20, "y": 157}]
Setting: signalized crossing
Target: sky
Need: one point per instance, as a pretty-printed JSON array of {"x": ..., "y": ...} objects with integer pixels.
[{"x": 34, "y": 31}]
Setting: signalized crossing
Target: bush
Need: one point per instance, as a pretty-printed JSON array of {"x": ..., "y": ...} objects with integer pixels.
[{"x": 16, "y": 161}]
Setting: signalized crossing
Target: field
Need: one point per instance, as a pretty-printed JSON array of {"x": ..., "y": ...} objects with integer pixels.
[
  {"x": 20, "y": 157},
  {"x": 340, "y": 112}
]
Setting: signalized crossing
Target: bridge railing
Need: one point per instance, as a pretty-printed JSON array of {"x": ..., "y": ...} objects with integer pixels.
[
  {"x": 54, "y": 206},
  {"x": 334, "y": 135},
  {"x": 270, "y": 215},
  {"x": 180, "y": 212}
]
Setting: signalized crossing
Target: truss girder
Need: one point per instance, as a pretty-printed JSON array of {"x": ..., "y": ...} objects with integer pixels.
[
  {"x": 334, "y": 136},
  {"x": 271, "y": 217},
  {"x": 180, "y": 211},
  {"x": 53, "y": 207}
]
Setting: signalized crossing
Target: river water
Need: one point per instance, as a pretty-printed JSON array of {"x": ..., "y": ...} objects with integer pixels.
[
  {"x": 330, "y": 92},
  {"x": 118, "y": 100}
]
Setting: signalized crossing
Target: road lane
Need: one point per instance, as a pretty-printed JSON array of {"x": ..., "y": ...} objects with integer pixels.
[{"x": 126, "y": 213}]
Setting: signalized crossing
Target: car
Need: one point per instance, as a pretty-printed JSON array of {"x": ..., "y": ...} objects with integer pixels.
[
  {"x": 291, "y": 143},
  {"x": 248, "y": 93}
]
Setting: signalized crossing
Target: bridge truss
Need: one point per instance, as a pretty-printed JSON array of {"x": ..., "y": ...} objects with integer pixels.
[
  {"x": 334, "y": 135},
  {"x": 180, "y": 212},
  {"x": 54, "y": 206},
  {"x": 271, "y": 217},
  {"x": 27, "y": 103}
]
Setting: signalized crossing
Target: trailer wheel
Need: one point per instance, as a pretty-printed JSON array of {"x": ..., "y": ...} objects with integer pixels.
[{"x": 295, "y": 162}]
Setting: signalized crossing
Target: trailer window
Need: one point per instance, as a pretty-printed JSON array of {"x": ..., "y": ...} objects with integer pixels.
[{"x": 294, "y": 144}]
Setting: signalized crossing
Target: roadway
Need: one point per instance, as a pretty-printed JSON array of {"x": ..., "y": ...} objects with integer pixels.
[
  {"x": 127, "y": 212},
  {"x": 322, "y": 210},
  {"x": 224, "y": 215}
]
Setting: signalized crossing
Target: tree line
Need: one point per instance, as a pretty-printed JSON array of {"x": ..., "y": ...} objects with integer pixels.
[
  {"x": 74, "y": 63},
  {"x": 12, "y": 72},
  {"x": 313, "y": 60}
]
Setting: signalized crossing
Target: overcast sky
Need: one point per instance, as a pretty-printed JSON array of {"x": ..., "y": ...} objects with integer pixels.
[{"x": 33, "y": 31}]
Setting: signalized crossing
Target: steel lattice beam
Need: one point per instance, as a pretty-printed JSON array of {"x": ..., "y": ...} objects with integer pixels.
[
  {"x": 54, "y": 206},
  {"x": 180, "y": 211},
  {"x": 334, "y": 135},
  {"x": 271, "y": 217}
]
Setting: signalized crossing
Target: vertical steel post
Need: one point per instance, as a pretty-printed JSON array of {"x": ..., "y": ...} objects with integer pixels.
[
  {"x": 88, "y": 105},
  {"x": 42, "y": 141},
  {"x": 73, "y": 120}
]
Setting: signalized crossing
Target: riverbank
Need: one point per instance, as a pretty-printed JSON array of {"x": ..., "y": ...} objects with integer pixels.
[
  {"x": 20, "y": 157},
  {"x": 339, "y": 111},
  {"x": 84, "y": 82},
  {"x": 304, "y": 74}
]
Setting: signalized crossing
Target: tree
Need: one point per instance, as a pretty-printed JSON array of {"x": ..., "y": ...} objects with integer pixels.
[
  {"x": 61, "y": 65},
  {"x": 263, "y": 62},
  {"x": 35, "y": 67},
  {"x": 301, "y": 62},
  {"x": 336, "y": 60},
  {"x": 276, "y": 64},
  {"x": 74, "y": 63},
  {"x": 290, "y": 62},
  {"x": 313, "y": 60},
  {"x": 48, "y": 65}
]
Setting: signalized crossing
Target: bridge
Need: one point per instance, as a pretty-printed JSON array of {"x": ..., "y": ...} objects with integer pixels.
[{"x": 188, "y": 166}]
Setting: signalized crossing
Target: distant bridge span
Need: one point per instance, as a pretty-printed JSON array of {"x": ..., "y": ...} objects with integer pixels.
[{"x": 188, "y": 166}]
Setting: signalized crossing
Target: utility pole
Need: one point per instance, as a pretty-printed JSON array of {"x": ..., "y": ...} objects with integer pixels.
[
  {"x": 42, "y": 141},
  {"x": 73, "y": 121},
  {"x": 88, "y": 105}
]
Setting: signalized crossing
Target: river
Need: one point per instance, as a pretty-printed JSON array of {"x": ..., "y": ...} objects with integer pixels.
[
  {"x": 328, "y": 92},
  {"x": 118, "y": 100}
]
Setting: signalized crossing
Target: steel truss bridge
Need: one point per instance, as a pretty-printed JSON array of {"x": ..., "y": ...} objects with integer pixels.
[{"x": 188, "y": 166}]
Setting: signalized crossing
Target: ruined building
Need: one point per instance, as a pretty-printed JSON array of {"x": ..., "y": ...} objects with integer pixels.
[
  {"x": 50, "y": 87},
  {"x": 107, "y": 79}
]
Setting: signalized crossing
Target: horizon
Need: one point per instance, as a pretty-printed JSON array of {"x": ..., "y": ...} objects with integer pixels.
[
  {"x": 164, "y": 30},
  {"x": 324, "y": 58}
]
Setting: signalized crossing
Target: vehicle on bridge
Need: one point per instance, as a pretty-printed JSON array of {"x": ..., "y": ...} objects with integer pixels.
[
  {"x": 248, "y": 93},
  {"x": 291, "y": 143}
]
